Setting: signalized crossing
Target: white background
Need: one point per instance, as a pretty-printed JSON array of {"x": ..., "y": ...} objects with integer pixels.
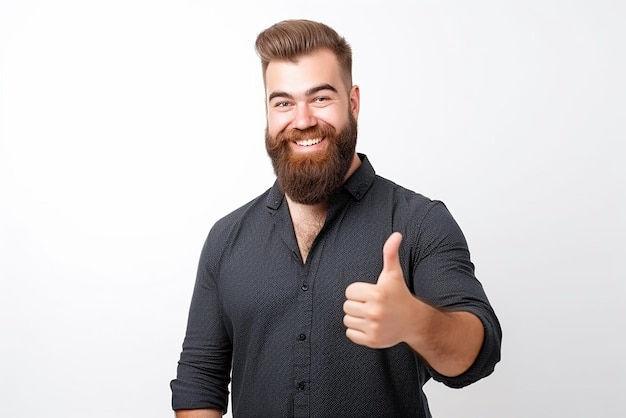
[{"x": 129, "y": 127}]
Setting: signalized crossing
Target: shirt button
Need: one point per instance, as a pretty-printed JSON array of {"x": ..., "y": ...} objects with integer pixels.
[
  {"x": 302, "y": 337},
  {"x": 304, "y": 287},
  {"x": 301, "y": 386}
]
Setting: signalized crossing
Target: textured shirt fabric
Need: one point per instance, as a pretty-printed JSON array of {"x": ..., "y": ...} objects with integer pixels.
[{"x": 278, "y": 322}]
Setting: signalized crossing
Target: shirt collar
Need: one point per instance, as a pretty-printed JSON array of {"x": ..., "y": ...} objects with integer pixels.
[
  {"x": 359, "y": 182},
  {"x": 357, "y": 185}
]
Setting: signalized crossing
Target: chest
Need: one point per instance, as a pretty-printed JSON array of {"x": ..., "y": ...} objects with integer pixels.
[
  {"x": 267, "y": 286},
  {"x": 306, "y": 231},
  {"x": 307, "y": 224}
]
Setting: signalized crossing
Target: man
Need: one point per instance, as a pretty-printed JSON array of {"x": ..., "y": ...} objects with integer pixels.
[{"x": 336, "y": 293}]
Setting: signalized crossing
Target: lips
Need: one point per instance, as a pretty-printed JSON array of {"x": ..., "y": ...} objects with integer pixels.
[{"x": 309, "y": 142}]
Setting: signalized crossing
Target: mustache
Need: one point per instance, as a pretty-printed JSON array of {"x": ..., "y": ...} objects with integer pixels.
[{"x": 318, "y": 131}]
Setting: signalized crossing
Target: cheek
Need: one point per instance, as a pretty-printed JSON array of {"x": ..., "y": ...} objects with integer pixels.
[
  {"x": 333, "y": 117},
  {"x": 277, "y": 122}
]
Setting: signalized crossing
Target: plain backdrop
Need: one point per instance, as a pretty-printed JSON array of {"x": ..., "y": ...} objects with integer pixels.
[{"x": 127, "y": 128}]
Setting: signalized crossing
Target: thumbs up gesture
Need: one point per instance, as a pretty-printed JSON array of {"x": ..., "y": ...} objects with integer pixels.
[{"x": 382, "y": 315}]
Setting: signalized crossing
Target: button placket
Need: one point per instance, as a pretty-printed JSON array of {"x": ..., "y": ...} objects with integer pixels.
[{"x": 302, "y": 358}]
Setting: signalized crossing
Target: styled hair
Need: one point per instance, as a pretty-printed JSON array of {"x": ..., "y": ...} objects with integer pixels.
[{"x": 290, "y": 40}]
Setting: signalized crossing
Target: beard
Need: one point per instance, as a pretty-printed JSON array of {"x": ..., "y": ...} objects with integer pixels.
[{"x": 312, "y": 177}]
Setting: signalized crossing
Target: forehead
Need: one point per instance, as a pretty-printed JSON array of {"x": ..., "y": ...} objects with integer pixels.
[{"x": 320, "y": 67}]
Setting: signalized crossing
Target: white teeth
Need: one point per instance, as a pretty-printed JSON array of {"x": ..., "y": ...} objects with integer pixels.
[{"x": 309, "y": 142}]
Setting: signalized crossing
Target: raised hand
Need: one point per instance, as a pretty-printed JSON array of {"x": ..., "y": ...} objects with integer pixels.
[
  {"x": 384, "y": 314},
  {"x": 381, "y": 315}
]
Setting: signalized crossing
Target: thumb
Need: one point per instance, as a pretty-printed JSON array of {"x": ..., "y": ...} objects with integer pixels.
[{"x": 391, "y": 257}]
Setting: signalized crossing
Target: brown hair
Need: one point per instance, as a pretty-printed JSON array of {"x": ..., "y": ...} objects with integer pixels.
[{"x": 291, "y": 39}]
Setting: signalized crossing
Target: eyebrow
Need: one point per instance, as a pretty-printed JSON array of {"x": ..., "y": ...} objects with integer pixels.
[{"x": 309, "y": 92}]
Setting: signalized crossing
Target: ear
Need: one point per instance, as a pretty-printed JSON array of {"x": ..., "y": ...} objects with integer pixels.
[{"x": 355, "y": 101}]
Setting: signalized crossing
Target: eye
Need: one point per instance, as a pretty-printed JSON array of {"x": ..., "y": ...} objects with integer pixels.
[
  {"x": 321, "y": 99},
  {"x": 281, "y": 104}
]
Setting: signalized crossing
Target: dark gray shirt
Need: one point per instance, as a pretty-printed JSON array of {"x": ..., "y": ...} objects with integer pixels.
[{"x": 279, "y": 322}]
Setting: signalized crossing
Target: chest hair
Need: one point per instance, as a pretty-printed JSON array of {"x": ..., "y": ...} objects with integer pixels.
[
  {"x": 306, "y": 230},
  {"x": 308, "y": 221}
]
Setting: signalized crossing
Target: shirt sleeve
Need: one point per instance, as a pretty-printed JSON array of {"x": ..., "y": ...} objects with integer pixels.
[
  {"x": 443, "y": 276},
  {"x": 203, "y": 372}
]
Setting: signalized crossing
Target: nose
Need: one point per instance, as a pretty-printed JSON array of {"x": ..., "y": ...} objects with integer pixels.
[{"x": 304, "y": 117}]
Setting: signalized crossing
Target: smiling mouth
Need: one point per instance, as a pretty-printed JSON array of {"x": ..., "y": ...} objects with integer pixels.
[{"x": 309, "y": 142}]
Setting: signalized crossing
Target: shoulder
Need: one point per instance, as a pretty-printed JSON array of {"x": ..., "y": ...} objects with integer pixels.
[
  {"x": 414, "y": 213},
  {"x": 255, "y": 208},
  {"x": 225, "y": 230},
  {"x": 404, "y": 200}
]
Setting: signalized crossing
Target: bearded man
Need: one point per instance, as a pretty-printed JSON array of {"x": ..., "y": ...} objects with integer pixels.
[{"x": 336, "y": 293}]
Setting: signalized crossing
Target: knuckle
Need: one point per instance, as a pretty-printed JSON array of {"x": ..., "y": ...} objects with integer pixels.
[
  {"x": 376, "y": 329},
  {"x": 376, "y": 314},
  {"x": 379, "y": 295}
]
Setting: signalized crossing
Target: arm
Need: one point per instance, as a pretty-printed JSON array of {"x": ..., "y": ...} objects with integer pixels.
[
  {"x": 203, "y": 372},
  {"x": 448, "y": 341},
  {"x": 199, "y": 413},
  {"x": 386, "y": 313}
]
